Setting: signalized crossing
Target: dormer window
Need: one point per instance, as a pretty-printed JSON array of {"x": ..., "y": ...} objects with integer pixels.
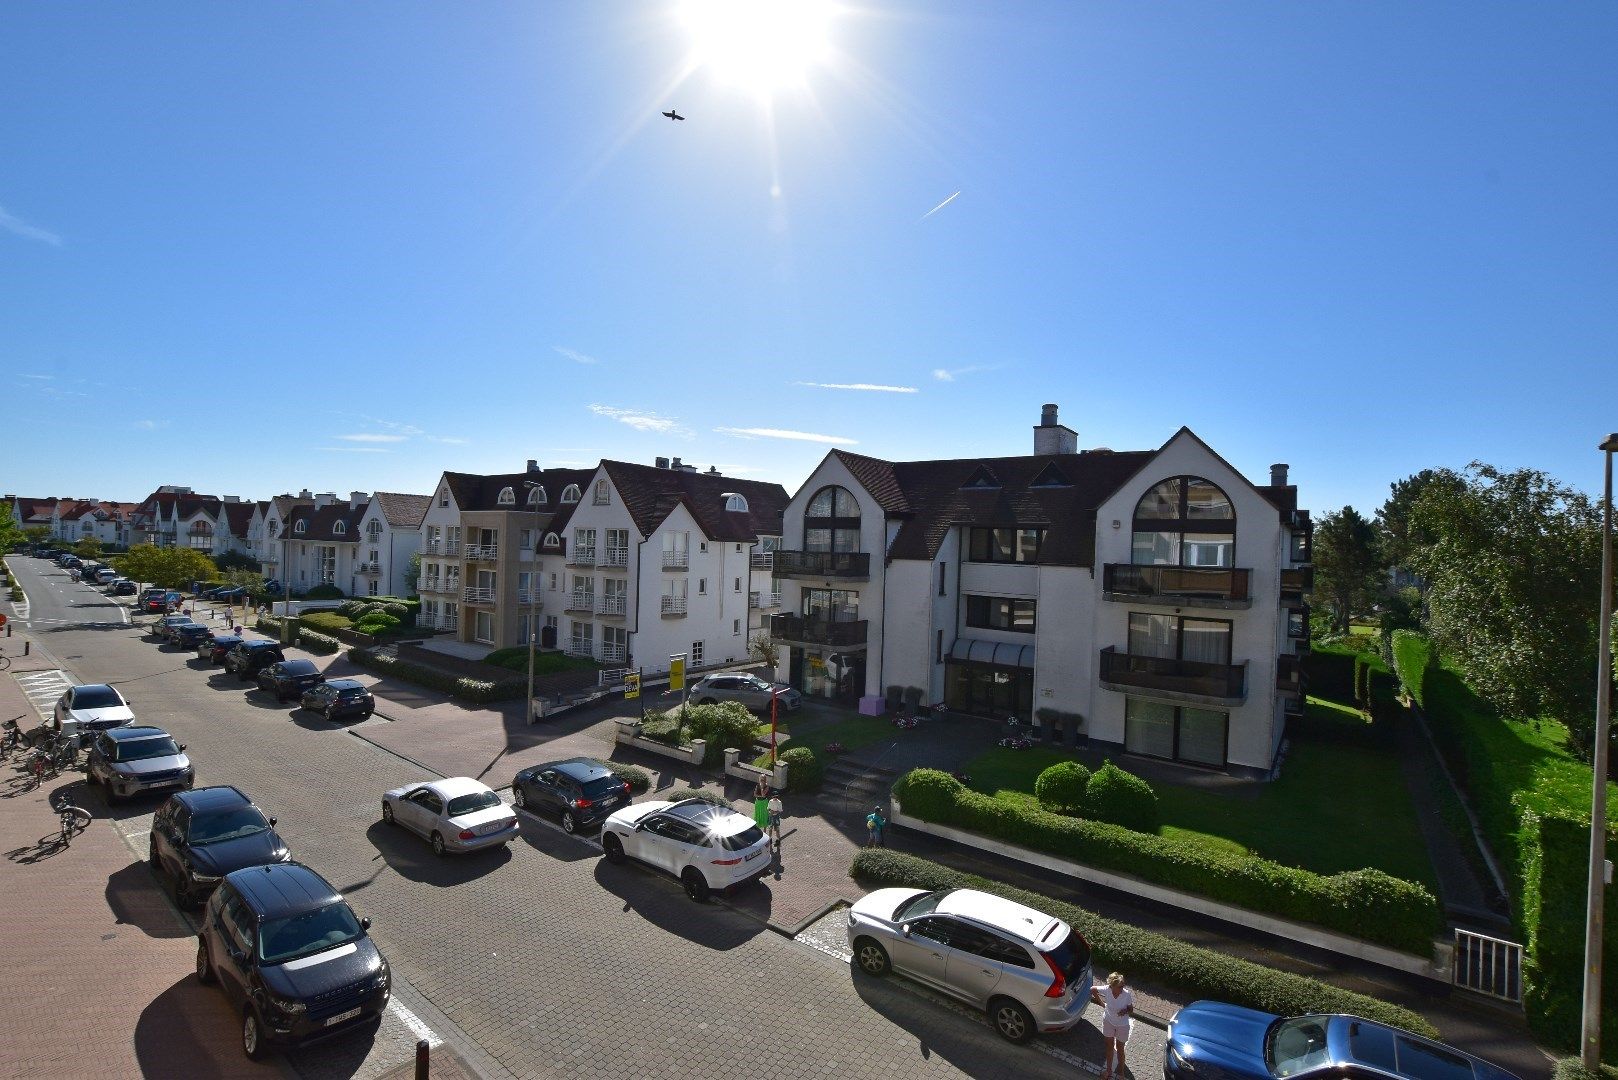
[
  {"x": 339, "y": 528},
  {"x": 734, "y": 503},
  {"x": 536, "y": 496},
  {"x": 552, "y": 541},
  {"x": 507, "y": 497},
  {"x": 982, "y": 478},
  {"x": 300, "y": 527},
  {"x": 570, "y": 494}
]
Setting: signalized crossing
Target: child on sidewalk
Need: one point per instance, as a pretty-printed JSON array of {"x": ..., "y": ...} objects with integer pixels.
[{"x": 874, "y": 824}]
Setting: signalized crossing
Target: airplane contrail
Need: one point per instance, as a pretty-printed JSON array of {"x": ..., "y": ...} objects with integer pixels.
[{"x": 940, "y": 206}]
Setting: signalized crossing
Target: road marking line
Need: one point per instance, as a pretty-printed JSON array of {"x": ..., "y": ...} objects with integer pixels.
[{"x": 417, "y": 1027}]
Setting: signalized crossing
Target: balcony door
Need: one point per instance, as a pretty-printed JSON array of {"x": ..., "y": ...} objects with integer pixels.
[
  {"x": 831, "y": 605},
  {"x": 1178, "y": 733},
  {"x": 1171, "y": 637}
]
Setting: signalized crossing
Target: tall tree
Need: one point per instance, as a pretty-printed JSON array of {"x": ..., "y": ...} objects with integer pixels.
[
  {"x": 169, "y": 567},
  {"x": 11, "y": 535},
  {"x": 1393, "y": 517},
  {"x": 1514, "y": 579},
  {"x": 1348, "y": 565},
  {"x": 88, "y": 548}
]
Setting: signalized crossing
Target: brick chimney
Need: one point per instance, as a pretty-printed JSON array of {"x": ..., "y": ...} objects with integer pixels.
[{"x": 1051, "y": 437}]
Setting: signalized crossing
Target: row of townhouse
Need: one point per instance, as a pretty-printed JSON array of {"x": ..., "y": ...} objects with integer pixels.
[
  {"x": 362, "y": 545},
  {"x": 629, "y": 564},
  {"x": 73, "y": 520},
  {"x": 175, "y": 516},
  {"x": 1157, "y": 597}
]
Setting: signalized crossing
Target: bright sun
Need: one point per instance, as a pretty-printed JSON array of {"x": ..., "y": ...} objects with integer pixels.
[{"x": 760, "y": 46}]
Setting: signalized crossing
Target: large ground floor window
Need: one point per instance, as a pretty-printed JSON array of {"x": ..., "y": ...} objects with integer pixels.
[
  {"x": 989, "y": 690},
  {"x": 1176, "y": 732},
  {"x": 827, "y": 674}
]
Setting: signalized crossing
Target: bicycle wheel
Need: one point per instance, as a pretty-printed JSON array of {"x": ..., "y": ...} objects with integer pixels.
[
  {"x": 75, "y": 819},
  {"x": 5, "y": 661}
]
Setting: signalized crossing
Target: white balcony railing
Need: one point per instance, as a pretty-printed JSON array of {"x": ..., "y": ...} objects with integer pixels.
[
  {"x": 616, "y": 556},
  {"x": 676, "y": 560},
  {"x": 581, "y": 600},
  {"x": 763, "y": 560},
  {"x": 674, "y": 605},
  {"x": 764, "y": 600},
  {"x": 611, "y": 605},
  {"x": 581, "y": 647},
  {"x": 483, "y": 552},
  {"x": 475, "y": 595},
  {"x": 369, "y": 568},
  {"x": 614, "y": 653},
  {"x": 430, "y": 585},
  {"x": 582, "y": 556},
  {"x": 529, "y": 596},
  {"x": 452, "y": 547}
]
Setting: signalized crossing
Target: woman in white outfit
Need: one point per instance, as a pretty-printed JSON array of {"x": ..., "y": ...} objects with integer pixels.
[{"x": 1117, "y": 1002}]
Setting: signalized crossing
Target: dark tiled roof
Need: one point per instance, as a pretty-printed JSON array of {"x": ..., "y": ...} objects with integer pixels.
[
  {"x": 403, "y": 511},
  {"x": 876, "y": 477},
  {"x": 237, "y": 515},
  {"x": 37, "y": 509},
  {"x": 320, "y": 523},
  {"x": 650, "y": 494},
  {"x": 474, "y": 492}
]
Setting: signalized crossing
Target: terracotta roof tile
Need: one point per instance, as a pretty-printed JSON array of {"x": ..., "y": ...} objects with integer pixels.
[{"x": 403, "y": 511}]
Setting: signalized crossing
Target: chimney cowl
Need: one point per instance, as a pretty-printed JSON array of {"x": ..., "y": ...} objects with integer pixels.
[
  {"x": 1053, "y": 437},
  {"x": 661, "y": 463},
  {"x": 1047, "y": 416},
  {"x": 1278, "y": 475},
  {"x": 533, "y": 465}
]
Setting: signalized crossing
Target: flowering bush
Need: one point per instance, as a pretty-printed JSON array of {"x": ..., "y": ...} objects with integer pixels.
[{"x": 906, "y": 722}]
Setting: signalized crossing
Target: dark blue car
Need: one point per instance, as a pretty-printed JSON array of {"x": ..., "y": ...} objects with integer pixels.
[{"x": 1210, "y": 1038}]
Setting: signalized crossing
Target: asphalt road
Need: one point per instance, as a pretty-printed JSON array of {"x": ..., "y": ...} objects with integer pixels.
[{"x": 539, "y": 959}]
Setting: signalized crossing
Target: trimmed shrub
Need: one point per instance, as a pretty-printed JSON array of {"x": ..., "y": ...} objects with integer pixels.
[
  {"x": 1556, "y": 859},
  {"x": 1330, "y": 671},
  {"x": 324, "y": 592},
  {"x": 1149, "y": 957},
  {"x": 724, "y": 724},
  {"x": 638, "y": 779},
  {"x": 478, "y": 691},
  {"x": 707, "y": 795},
  {"x": 377, "y": 623},
  {"x": 545, "y": 663},
  {"x": 1061, "y": 788},
  {"x": 664, "y": 728},
  {"x": 803, "y": 771},
  {"x": 1391, "y": 912},
  {"x": 322, "y": 644},
  {"x": 1121, "y": 798},
  {"x": 398, "y": 611},
  {"x": 1573, "y": 1069},
  {"x": 351, "y": 609},
  {"x": 325, "y": 621},
  {"x": 1412, "y": 657}
]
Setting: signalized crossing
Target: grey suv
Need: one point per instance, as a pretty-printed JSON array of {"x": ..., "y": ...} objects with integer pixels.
[
  {"x": 750, "y": 690},
  {"x": 136, "y": 759},
  {"x": 1029, "y": 971}
]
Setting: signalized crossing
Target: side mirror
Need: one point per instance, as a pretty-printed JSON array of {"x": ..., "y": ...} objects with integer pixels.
[
  {"x": 904, "y": 928},
  {"x": 272, "y": 823},
  {"x": 182, "y": 748},
  {"x": 365, "y": 923}
]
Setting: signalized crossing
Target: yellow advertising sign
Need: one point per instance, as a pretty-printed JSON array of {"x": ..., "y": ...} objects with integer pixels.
[
  {"x": 677, "y": 672},
  {"x": 631, "y": 685}
]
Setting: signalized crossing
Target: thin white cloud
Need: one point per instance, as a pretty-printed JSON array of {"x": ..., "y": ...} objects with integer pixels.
[
  {"x": 640, "y": 421},
  {"x": 781, "y": 433},
  {"x": 18, "y": 227},
  {"x": 574, "y": 355},
  {"x": 452, "y": 440},
  {"x": 372, "y": 438},
  {"x": 42, "y": 378},
  {"x": 151, "y": 425},
  {"x": 357, "y": 449},
  {"x": 950, "y": 375},
  {"x": 395, "y": 426},
  {"x": 880, "y": 388},
  {"x": 940, "y": 206}
]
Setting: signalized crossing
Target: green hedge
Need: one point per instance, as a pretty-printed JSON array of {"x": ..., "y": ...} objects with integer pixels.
[
  {"x": 638, "y": 779},
  {"x": 477, "y": 691},
  {"x": 1557, "y": 861},
  {"x": 1573, "y": 1069},
  {"x": 803, "y": 771},
  {"x": 1330, "y": 671},
  {"x": 1366, "y": 904},
  {"x": 324, "y": 592},
  {"x": 325, "y": 622},
  {"x": 322, "y": 644},
  {"x": 1062, "y": 788},
  {"x": 1412, "y": 657},
  {"x": 1148, "y": 957},
  {"x": 1121, "y": 798},
  {"x": 545, "y": 663},
  {"x": 707, "y": 795}
]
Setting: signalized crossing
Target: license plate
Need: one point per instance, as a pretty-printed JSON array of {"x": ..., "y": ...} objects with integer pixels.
[
  {"x": 492, "y": 827},
  {"x": 340, "y": 1017},
  {"x": 756, "y": 854}
]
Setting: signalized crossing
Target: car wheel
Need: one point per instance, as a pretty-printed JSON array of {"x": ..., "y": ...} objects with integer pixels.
[
  {"x": 252, "y": 1036},
  {"x": 327, "y": 714},
  {"x": 696, "y": 886},
  {"x": 612, "y": 848},
  {"x": 437, "y": 842},
  {"x": 871, "y": 957},
  {"x": 151, "y": 853},
  {"x": 570, "y": 824},
  {"x": 182, "y": 895},
  {"x": 519, "y": 797},
  {"x": 1011, "y": 1020},
  {"x": 204, "y": 965},
  {"x": 387, "y": 814}
]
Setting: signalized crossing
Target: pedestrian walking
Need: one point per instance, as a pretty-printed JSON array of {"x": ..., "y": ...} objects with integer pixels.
[
  {"x": 761, "y": 803},
  {"x": 1117, "y": 1002},
  {"x": 874, "y": 824},
  {"x": 775, "y": 821}
]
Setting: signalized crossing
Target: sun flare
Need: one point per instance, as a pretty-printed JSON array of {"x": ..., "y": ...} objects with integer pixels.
[{"x": 760, "y": 46}]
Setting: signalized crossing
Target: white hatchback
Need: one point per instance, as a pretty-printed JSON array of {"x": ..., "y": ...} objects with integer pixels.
[{"x": 707, "y": 847}]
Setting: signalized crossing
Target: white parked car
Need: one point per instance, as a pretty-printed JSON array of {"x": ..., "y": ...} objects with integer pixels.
[
  {"x": 91, "y": 707},
  {"x": 456, "y": 814},
  {"x": 707, "y": 847}
]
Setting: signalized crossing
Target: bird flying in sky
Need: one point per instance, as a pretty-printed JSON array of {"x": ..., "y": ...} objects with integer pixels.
[{"x": 673, "y": 114}]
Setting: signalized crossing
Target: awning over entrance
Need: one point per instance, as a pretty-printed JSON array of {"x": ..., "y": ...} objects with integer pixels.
[{"x": 999, "y": 653}]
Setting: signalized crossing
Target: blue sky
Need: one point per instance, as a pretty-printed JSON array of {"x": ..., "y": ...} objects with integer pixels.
[{"x": 253, "y": 248}]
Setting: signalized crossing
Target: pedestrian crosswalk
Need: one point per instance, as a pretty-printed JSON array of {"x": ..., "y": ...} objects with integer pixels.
[{"x": 42, "y": 688}]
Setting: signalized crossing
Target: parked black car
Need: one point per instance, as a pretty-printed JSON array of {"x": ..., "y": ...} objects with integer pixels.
[
  {"x": 263, "y": 928},
  {"x": 289, "y": 678},
  {"x": 189, "y": 635},
  {"x": 248, "y": 658},
  {"x": 122, "y": 588},
  {"x": 201, "y": 835},
  {"x": 339, "y": 697},
  {"x": 582, "y": 791},
  {"x": 231, "y": 593},
  {"x": 217, "y": 647}
]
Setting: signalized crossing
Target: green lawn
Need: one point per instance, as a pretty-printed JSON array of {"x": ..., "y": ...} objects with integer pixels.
[
  {"x": 852, "y": 731},
  {"x": 1336, "y": 807}
]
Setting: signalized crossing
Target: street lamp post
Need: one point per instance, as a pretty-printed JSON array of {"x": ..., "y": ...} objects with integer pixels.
[
  {"x": 1590, "y": 1033},
  {"x": 533, "y": 591}
]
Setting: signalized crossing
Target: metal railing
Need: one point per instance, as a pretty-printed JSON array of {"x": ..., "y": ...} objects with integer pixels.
[
  {"x": 475, "y": 595},
  {"x": 676, "y": 560},
  {"x": 818, "y": 631},
  {"x": 612, "y": 605},
  {"x": 759, "y": 600},
  {"x": 1187, "y": 583},
  {"x": 1488, "y": 965},
  {"x": 823, "y": 564},
  {"x": 1226, "y": 681},
  {"x": 673, "y": 605},
  {"x": 614, "y": 654},
  {"x": 581, "y": 647},
  {"x": 432, "y": 585},
  {"x": 1297, "y": 579},
  {"x": 483, "y": 552},
  {"x": 762, "y": 560},
  {"x": 369, "y": 568},
  {"x": 452, "y": 547},
  {"x": 616, "y": 556},
  {"x": 584, "y": 556},
  {"x": 580, "y": 600}
]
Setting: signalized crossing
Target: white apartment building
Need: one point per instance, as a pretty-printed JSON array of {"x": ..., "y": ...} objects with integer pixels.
[
  {"x": 390, "y": 534},
  {"x": 1158, "y": 595}
]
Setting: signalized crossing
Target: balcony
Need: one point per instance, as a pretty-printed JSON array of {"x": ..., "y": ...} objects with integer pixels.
[
  {"x": 676, "y": 560},
  {"x": 614, "y": 653},
  {"x": 674, "y": 607},
  {"x": 582, "y": 648},
  {"x": 580, "y": 600},
  {"x": 529, "y": 598},
  {"x": 612, "y": 605},
  {"x": 1289, "y": 676},
  {"x": 1193, "y": 680},
  {"x": 762, "y": 560},
  {"x": 433, "y": 585},
  {"x": 442, "y": 547},
  {"x": 763, "y": 600},
  {"x": 847, "y": 565},
  {"x": 368, "y": 568},
  {"x": 616, "y": 558},
  {"x": 447, "y": 622},
  {"x": 1297, "y": 580},
  {"x": 476, "y": 595},
  {"x": 798, "y": 630},
  {"x": 1293, "y": 707},
  {"x": 584, "y": 556},
  {"x": 1177, "y": 586},
  {"x": 483, "y": 552},
  {"x": 1298, "y": 623}
]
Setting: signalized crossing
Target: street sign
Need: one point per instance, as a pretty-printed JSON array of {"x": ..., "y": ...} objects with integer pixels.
[
  {"x": 631, "y": 685},
  {"x": 677, "y": 672}
]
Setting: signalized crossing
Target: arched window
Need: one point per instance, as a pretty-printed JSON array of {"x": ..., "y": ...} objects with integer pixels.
[
  {"x": 552, "y": 540},
  {"x": 536, "y": 496},
  {"x": 339, "y": 528},
  {"x": 831, "y": 522},
  {"x": 300, "y": 527},
  {"x": 1184, "y": 521},
  {"x": 735, "y": 503},
  {"x": 373, "y": 528},
  {"x": 570, "y": 494},
  {"x": 507, "y": 497}
]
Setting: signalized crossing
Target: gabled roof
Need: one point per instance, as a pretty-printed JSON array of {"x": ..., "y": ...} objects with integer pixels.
[
  {"x": 877, "y": 478},
  {"x": 320, "y": 523},
  {"x": 476, "y": 492},
  {"x": 402, "y": 511},
  {"x": 37, "y": 510},
  {"x": 651, "y": 494},
  {"x": 237, "y": 515}
]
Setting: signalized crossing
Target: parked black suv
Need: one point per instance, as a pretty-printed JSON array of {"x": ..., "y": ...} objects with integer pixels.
[
  {"x": 248, "y": 658},
  {"x": 339, "y": 697},
  {"x": 189, "y": 635},
  {"x": 289, "y": 678},
  {"x": 199, "y": 836},
  {"x": 261, "y": 935},
  {"x": 582, "y": 790}
]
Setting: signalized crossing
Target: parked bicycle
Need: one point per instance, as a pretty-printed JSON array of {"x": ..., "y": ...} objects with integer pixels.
[
  {"x": 5, "y": 661},
  {"x": 75, "y": 819},
  {"x": 10, "y": 737}
]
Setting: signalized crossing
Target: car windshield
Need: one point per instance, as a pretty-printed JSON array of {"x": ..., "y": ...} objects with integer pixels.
[
  {"x": 138, "y": 749},
  {"x": 305, "y": 934},
  {"x": 227, "y": 825},
  {"x": 470, "y": 804},
  {"x": 740, "y": 841},
  {"x": 601, "y": 785},
  {"x": 99, "y": 697},
  {"x": 1296, "y": 1044},
  {"x": 924, "y": 904}
]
